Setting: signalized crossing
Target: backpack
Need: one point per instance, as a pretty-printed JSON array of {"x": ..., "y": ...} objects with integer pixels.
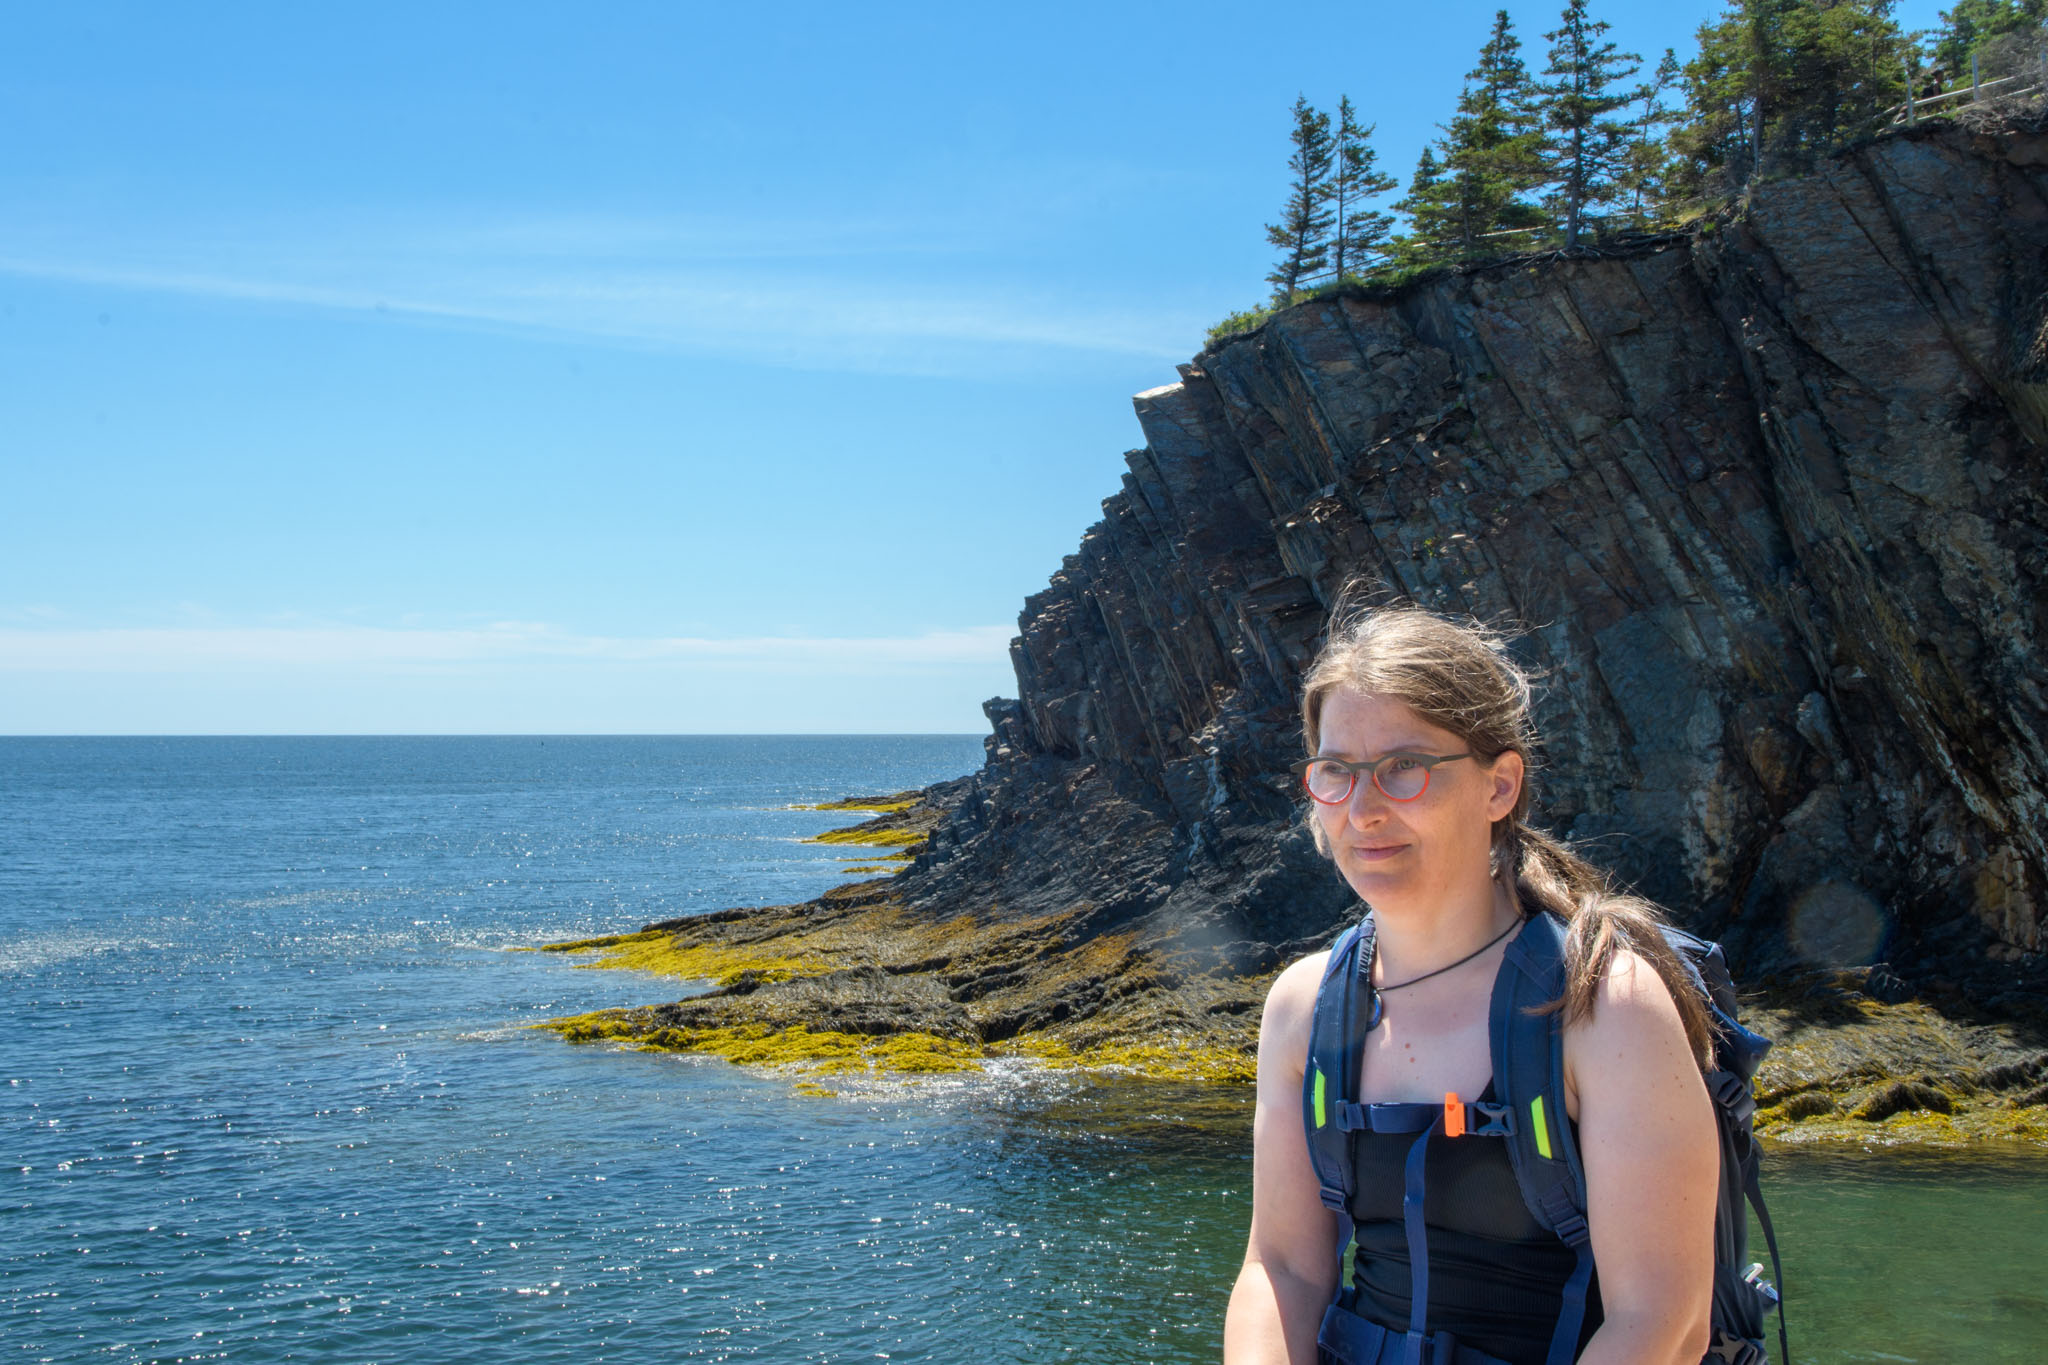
[{"x": 1527, "y": 1044}]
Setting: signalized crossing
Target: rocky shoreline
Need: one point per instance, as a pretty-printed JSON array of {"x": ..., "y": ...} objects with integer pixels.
[{"x": 856, "y": 983}]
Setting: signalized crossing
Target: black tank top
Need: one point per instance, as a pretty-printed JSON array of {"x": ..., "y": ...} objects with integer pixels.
[{"x": 1496, "y": 1275}]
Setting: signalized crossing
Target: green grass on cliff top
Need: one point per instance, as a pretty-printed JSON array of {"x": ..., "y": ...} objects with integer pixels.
[{"x": 1378, "y": 283}]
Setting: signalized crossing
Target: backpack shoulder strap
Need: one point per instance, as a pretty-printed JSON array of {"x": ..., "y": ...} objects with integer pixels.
[
  {"x": 1528, "y": 1076},
  {"x": 1528, "y": 1073},
  {"x": 1336, "y": 1047}
]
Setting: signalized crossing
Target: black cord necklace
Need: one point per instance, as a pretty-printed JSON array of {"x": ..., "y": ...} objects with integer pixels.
[{"x": 1379, "y": 1008}]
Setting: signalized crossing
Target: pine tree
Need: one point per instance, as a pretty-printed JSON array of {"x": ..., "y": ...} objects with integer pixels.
[
  {"x": 1425, "y": 192},
  {"x": 1778, "y": 83},
  {"x": 1302, "y": 234},
  {"x": 1840, "y": 66},
  {"x": 1974, "y": 25},
  {"x": 1487, "y": 158},
  {"x": 1713, "y": 147},
  {"x": 1587, "y": 150},
  {"x": 1647, "y": 157},
  {"x": 1361, "y": 236}
]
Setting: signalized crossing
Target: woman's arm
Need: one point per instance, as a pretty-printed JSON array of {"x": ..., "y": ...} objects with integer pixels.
[
  {"x": 1646, "y": 1133},
  {"x": 1290, "y": 1264}
]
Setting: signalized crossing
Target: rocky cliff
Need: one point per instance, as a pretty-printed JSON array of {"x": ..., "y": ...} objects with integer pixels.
[{"x": 1769, "y": 497}]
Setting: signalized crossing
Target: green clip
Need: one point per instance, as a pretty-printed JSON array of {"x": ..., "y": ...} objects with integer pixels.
[
  {"x": 1322, "y": 1117},
  {"x": 1542, "y": 1129}
]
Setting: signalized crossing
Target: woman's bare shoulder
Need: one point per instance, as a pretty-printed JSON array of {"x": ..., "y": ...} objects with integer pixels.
[
  {"x": 1295, "y": 988},
  {"x": 1290, "y": 1003},
  {"x": 1632, "y": 993},
  {"x": 1634, "y": 1027}
]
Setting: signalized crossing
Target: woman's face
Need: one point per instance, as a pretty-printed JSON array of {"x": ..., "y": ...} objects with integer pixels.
[{"x": 1397, "y": 854}]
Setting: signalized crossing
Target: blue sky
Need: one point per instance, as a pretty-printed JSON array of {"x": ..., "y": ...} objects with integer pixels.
[{"x": 623, "y": 368}]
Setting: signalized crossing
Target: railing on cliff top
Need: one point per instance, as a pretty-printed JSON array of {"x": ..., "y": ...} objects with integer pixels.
[{"x": 2008, "y": 87}]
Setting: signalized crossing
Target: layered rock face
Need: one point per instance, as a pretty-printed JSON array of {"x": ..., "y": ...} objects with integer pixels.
[{"x": 1769, "y": 499}]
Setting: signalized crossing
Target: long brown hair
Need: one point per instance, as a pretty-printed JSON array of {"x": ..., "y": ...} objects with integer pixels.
[{"x": 1458, "y": 676}]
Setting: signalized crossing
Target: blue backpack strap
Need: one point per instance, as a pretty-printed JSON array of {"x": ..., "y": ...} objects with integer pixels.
[
  {"x": 1336, "y": 1049},
  {"x": 1528, "y": 1068},
  {"x": 1416, "y": 1229},
  {"x": 1528, "y": 1077}
]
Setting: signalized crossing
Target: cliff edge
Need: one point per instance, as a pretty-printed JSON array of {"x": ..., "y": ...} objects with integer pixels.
[{"x": 1769, "y": 496}]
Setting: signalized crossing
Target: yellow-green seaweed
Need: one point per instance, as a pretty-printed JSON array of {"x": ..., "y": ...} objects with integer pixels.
[
  {"x": 861, "y": 834},
  {"x": 661, "y": 953},
  {"x": 1812, "y": 1116},
  {"x": 821, "y": 1053}
]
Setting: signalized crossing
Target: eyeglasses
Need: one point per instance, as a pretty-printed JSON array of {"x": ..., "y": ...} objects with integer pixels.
[{"x": 1400, "y": 777}]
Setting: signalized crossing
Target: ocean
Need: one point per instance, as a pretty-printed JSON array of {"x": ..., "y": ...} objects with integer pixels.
[{"x": 268, "y": 1093}]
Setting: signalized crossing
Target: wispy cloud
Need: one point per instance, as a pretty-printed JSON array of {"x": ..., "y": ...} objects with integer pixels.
[
  {"x": 748, "y": 291},
  {"x": 200, "y": 649}
]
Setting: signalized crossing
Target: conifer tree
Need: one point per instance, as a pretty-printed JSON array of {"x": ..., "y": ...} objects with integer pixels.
[
  {"x": 1361, "y": 233},
  {"x": 1302, "y": 234},
  {"x": 1646, "y": 161},
  {"x": 1714, "y": 151},
  {"x": 1778, "y": 83},
  {"x": 1586, "y": 147},
  {"x": 1487, "y": 158},
  {"x": 1976, "y": 24},
  {"x": 1431, "y": 206},
  {"x": 1839, "y": 66}
]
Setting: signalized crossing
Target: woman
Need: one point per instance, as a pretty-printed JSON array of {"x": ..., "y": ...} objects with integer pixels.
[{"x": 1421, "y": 794}]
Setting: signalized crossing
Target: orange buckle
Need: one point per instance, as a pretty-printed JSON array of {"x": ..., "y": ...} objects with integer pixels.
[{"x": 1454, "y": 1115}]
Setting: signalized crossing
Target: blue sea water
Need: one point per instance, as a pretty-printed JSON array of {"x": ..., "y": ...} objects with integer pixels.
[{"x": 267, "y": 1093}]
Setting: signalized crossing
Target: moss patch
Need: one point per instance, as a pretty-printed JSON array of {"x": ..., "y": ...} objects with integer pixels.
[{"x": 873, "y": 805}]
